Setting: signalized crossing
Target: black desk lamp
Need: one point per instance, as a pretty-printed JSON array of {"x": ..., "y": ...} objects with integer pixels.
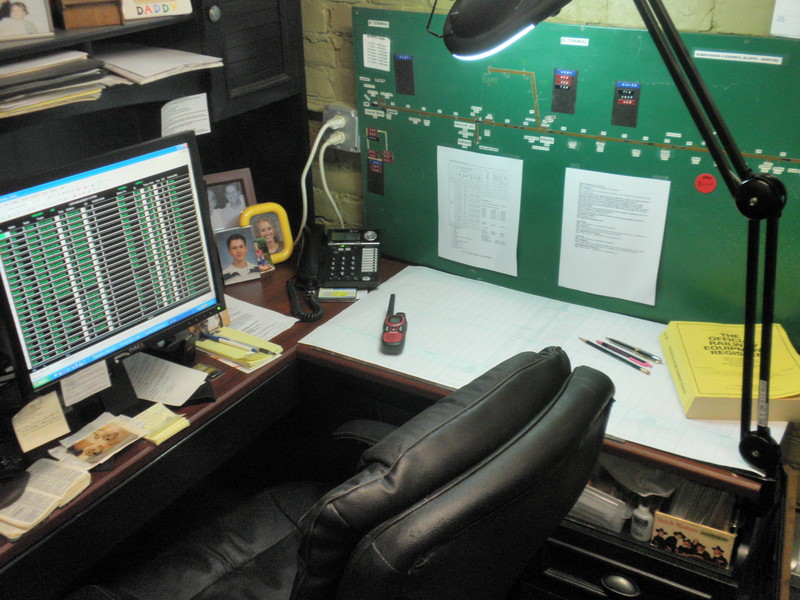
[{"x": 478, "y": 28}]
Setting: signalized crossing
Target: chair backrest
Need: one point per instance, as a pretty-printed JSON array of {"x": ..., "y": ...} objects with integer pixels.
[{"x": 455, "y": 503}]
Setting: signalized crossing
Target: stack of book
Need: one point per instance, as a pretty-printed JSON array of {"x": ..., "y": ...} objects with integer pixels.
[
  {"x": 51, "y": 485},
  {"x": 52, "y": 80},
  {"x": 705, "y": 361}
]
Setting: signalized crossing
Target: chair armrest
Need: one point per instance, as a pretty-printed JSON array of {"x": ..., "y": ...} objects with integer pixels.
[
  {"x": 96, "y": 592},
  {"x": 365, "y": 431},
  {"x": 350, "y": 440}
]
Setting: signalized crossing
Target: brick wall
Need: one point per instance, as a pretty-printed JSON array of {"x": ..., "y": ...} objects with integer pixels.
[{"x": 328, "y": 42}]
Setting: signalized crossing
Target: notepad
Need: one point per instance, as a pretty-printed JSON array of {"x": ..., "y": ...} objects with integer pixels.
[
  {"x": 160, "y": 423},
  {"x": 245, "y": 358}
]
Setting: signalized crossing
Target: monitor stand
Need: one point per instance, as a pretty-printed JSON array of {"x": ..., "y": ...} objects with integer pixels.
[{"x": 119, "y": 398}]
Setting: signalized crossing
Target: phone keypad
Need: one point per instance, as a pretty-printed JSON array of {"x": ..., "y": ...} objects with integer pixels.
[{"x": 352, "y": 264}]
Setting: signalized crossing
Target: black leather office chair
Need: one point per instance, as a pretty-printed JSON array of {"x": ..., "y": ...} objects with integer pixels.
[{"x": 451, "y": 505}]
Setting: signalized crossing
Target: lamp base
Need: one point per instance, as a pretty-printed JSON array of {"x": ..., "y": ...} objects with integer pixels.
[{"x": 762, "y": 452}]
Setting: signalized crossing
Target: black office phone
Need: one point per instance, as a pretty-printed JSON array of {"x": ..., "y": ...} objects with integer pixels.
[
  {"x": 344, "y": 258},
  {"x": 351, "y": 259}
]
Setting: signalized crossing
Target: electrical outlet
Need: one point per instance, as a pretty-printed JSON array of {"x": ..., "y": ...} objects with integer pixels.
[{"x": 350, "y": 129}]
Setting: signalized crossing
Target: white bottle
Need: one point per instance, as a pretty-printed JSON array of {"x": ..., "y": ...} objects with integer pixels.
[{"x": 642, "y": 522}]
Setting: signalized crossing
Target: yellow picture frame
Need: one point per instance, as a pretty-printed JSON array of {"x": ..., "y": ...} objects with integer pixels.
[{"x": 276, "y": 215}]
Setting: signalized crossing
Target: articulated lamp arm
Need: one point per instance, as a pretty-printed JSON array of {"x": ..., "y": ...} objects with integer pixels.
[{"x": 476, "y": 28}]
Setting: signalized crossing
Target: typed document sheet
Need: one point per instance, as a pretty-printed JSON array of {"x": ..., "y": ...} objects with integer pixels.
[
  {"x": 611, "y": 234},
  {"x": 479, "y": 200}
]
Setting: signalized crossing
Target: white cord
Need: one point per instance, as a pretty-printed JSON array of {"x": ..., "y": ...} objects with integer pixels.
[
  {"x": 336, "y": 122},
  {"x": 334, "y": 140}
]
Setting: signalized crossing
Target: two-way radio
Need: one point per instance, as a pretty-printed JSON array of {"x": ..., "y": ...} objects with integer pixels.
[{"x": 394, "y": 330}]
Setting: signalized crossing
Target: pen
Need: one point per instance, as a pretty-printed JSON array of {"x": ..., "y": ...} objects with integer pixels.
[
  {"x": 638, "y": 351},
  {"x": 627, "y": 355},
  {"x": 236, "y": 344},
  {"x": 617, "y": 356}
]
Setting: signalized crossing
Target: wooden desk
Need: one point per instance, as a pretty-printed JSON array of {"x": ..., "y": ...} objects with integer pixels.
[
  {"x": 146, "y": 478},
  {"x": 703, "y": 473}
]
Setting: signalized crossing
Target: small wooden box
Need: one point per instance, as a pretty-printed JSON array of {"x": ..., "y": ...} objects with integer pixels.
[{"x": 75, "y": 14}]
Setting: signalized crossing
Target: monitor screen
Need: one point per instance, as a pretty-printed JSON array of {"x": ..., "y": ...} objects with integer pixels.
[{"x": 98, "y": 259}]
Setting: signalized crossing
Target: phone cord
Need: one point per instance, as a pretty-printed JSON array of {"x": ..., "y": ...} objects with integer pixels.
[{"x": 311, "y": 300}]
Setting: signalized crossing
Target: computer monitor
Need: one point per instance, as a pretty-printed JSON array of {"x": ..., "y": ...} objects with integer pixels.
[{"x": 99, "y": 259}]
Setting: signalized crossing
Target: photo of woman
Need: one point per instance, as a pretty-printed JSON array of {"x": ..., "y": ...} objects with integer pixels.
[{"x": 266, "y": 227}]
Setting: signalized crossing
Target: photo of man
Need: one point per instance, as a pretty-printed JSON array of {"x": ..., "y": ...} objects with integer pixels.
[{"x": 237, "y": 255}]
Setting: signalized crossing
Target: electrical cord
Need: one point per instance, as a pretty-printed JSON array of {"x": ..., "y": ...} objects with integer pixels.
[
  {"x": 336, "y": 122},
  {"x": 334, "y": 140},
  {"x": 311, "y": 300},
  {"x": 306, "y": 278}
]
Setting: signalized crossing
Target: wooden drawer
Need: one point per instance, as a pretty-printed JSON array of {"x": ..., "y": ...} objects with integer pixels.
[{"x": 578, "y": 563}]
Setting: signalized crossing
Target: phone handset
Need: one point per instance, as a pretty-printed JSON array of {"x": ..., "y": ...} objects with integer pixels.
[{"x": 307, "y": 278}]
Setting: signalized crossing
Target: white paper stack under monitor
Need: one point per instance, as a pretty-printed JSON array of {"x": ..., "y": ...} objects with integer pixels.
[
  {"x": 53, "y": 80},
  {"x": 144, "y": 64}
]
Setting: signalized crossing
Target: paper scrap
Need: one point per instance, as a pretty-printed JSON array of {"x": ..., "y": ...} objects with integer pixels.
[
  {"x": 786, "y": 19},
  {"x": 86, "y": 382},
  {"x": 160, "y": 380},
  {"x": 186, "y": 114},
  {"x": 479, "y": 199},
  {"x": 256, "y": 320},
  {"x": 377, "y": 52},
  {"x": 611, "y": 234},
  {"x": 40, "y": 421}
]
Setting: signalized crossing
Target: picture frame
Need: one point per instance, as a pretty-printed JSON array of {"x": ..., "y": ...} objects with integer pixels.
[
  {"x": 229, "y": 193},
  {"x": 25, "y": 19},
  {"x": 238, "y": 255},
  {"x": 269, "y": 222}
]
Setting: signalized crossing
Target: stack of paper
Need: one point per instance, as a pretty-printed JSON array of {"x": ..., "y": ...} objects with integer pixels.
[
  {"x": 53, "y": 80},
  {"x": 160, "y": 423},
  {"x": 241, "y": 348},
  {"x": 143, "y": 64},
  {"x": 52, "y": 484}
]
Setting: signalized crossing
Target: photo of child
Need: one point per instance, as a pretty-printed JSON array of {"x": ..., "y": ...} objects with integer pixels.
[
  {"x": 27, "y": 19},
  {"x": 237, "y": 255}
]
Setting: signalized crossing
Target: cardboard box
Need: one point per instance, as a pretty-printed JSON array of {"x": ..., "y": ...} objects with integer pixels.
[
  {"x": 76, "y": 14},
  {"x": 693, "y": 541}
]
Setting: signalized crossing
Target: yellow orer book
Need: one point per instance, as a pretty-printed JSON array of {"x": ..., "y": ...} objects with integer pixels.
[{"x": 705, "y": 361}]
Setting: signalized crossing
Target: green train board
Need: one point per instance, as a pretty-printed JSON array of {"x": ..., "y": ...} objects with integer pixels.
[{"x": 416, "y": 98}]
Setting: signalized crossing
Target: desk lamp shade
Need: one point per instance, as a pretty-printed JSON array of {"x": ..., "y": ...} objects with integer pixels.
[{"x": 474, "y": 30}]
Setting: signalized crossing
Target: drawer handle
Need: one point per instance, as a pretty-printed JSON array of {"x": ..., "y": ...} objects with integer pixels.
[
  {"x": 214, "y": 13},
  {"x": 620, "y": 585}
]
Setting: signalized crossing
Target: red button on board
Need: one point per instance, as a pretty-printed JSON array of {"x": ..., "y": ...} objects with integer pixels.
[{"x": 705, "y": 183}]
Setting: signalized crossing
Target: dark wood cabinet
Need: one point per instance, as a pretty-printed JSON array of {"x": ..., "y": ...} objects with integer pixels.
[
  {"x": 256, "y": 100},
  {"x": 258, "y": 42}
]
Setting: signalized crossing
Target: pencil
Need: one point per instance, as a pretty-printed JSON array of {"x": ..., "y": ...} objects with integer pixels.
[
  {"x": 639, "y": 351},
  {"x": 628, "y": 355},
  {"x": 617, "y": 356}
]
